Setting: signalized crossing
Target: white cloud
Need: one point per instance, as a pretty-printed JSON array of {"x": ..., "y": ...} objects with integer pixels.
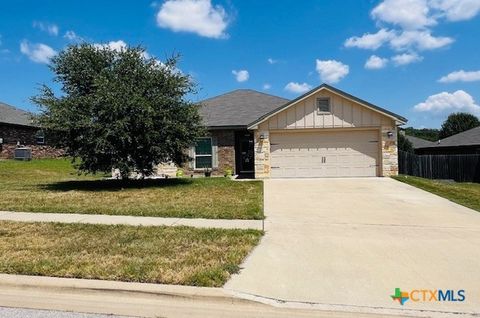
[
  {"x": 50, "y": 28},
  {"x": 375, "y": 62},
  {"x": 72, "y": 36},
  {"x": 196, "y": 16},
  {"x": 449, "y": 102},
  {"x": 408, "y": 14},
  {"x": 37, "y": 52},
  {"x": 406, "y": 25},
  {"x": 266, "y": 86},
  {"x": 461, "y": 76},
  {"x": 119, "y": 46},
  {"x": 457, "y": 10},
  {"x": 272, "y": 61},
  {"x": 370, "y": 41},
  {"x": 421, "y": 40},
  {"x": 298, "y": 88},
  {"x": 241, "y": 75},
  {"x": 113, "y": 45},
  {"x": 332, "y": 71},
  {"x": 406, "y": 58}
]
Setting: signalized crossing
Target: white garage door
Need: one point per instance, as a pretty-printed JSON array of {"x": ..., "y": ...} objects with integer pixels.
[{"x": 324, "y": 154}]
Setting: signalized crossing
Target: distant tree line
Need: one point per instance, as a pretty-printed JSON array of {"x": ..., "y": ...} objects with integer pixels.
[{"x": 454, "y": 124}]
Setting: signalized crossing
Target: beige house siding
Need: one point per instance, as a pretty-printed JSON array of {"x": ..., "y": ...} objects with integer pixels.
[{"x": 346, "y": 115}]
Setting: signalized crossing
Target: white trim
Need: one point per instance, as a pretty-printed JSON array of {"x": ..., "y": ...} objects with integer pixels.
[{"x": 255, "y": 126}]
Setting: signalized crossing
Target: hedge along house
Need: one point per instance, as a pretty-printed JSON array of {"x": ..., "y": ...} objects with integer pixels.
[{"x": 323, "y": 133}]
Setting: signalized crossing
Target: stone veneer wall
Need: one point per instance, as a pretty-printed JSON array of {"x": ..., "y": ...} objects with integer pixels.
[
  {"x": 262, "y": 154},
  {"x": 389, "y": 152},
  {"x": 12, "y": 134}
]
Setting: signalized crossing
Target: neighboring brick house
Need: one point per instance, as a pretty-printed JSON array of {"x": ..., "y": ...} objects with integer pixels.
[
  {"x": 18, "y": 129},
  {"x": 323, "y": 133}
]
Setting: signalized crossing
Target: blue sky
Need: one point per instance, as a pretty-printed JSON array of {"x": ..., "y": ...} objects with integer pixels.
[{"x": 418, "y": 58}]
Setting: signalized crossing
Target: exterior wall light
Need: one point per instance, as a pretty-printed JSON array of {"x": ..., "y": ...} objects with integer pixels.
[
  {"x": 389, "y": 134},
  {"x": 262, "y": 136}
]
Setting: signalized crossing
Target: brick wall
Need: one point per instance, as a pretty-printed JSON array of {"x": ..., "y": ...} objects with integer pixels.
[
  {"x": 225, "y": 141},
  {"x": 12, "y": 135},
  {"x": 225, "y": 148}
]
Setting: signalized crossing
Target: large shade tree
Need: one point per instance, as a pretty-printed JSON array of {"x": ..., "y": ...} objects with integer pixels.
[
  {"x": 457, "y": 123},
  {"x": 119, "y": 109}
]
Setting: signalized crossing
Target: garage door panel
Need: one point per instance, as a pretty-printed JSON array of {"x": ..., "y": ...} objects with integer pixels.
[{"x": 324, "y": 154}]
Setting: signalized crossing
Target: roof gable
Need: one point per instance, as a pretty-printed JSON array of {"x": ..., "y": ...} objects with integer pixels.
[
  {"x": 334, "y": 91},
  {"x": 238, "y": 108},
  {"x": 15, "y": 116}
]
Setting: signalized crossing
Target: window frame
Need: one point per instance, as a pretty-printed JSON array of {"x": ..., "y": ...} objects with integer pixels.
[
  {"x": 195, "y": 155},
  {"x": 40, "y": 135},
  {"x": 321, "y": 112}
]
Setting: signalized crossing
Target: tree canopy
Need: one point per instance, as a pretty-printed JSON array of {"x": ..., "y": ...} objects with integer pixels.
[
  {"x": 457, "y": 123},
  {"x": 423, "y": 133},
  {"x": 119, "y": 109},
  {"x": 404, "y": 144}
]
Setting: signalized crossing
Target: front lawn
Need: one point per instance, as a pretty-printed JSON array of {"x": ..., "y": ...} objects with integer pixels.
[
  {"x": 467, "y": 194},
  {"x": 54, "y": 186},
  {"x": 167, "y": 255}
]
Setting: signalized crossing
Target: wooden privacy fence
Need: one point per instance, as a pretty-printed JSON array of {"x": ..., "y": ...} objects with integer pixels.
[{"x": 461, "y": 168}]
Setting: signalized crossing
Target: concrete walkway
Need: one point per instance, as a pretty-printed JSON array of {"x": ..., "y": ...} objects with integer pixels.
[
  {"x": 128, "y": 220},
  {"x": 351, "y": 242}
]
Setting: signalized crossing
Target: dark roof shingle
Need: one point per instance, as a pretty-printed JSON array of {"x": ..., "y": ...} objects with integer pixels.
[
  {"x": 15, "y": 116},
  {"x": 419, "y": 142},
  {"x": 467, "y": 138},
  {"x": 238, "y": 108}
]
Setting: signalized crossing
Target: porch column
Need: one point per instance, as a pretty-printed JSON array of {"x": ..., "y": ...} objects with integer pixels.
[
  {"x": 262, "y": 154},
  {"x": 389, "y": 152}
]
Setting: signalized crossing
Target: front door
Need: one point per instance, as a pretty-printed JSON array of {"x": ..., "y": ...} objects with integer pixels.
[{"x": 245, "y": 152}]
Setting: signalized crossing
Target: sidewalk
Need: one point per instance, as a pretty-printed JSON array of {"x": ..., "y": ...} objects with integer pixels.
[{"x": 129, "y": 220}]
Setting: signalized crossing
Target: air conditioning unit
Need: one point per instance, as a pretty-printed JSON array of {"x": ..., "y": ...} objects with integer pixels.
[{"x": 23, "y": 153}]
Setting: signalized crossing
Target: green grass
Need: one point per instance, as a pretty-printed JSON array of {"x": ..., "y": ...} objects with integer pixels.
[
  {"x": 167, "y": 255},
  {"x": 466, "y": 194},
  {"x": 54, "y": 186}
]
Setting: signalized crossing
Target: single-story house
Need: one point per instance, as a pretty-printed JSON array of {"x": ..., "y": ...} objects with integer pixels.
[
  {"x": 467, "y": 142},
  {"x": 323, "y": 133},
  {"x": 17, "y": 129},
  {"x": 419, "y": 143}
]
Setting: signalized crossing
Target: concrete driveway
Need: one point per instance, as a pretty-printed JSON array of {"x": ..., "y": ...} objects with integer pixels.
[{"x": 351, "y": 242}]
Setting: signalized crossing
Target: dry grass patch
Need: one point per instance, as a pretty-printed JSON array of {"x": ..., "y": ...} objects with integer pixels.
[
  {"x": 54, "y": 186},
  {"x": 167, "y": 255}
]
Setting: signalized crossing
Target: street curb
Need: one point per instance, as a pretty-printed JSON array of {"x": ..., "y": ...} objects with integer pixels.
[
  {"x": 353, "y": 309},
  {"x": 57, "y": 283}
]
